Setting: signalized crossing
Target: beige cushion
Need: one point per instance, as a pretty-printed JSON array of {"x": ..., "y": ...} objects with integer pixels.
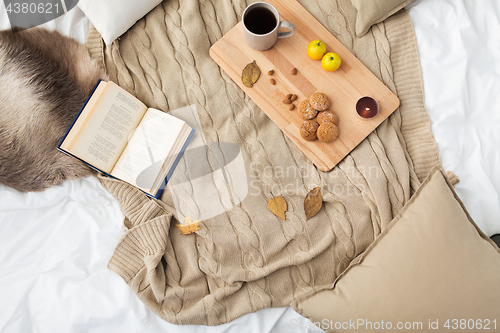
[
  {"x": 371, "y": 12},
  {"x": 431, "y": 264}
]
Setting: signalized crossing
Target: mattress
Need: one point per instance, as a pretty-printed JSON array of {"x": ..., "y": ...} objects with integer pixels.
[{"x": 55, "y": 245}]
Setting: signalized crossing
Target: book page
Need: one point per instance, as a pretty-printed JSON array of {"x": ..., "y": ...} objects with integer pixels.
[
  {"x": 176, "y": 149},
  {"x": 149, "y": 147},
  {"x": 84, "y": 116},
  {"x": 102, "y": 131}
]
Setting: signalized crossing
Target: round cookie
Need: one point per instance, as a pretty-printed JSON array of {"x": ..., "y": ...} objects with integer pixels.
[
  {"x": 309, "y": 129},
  {"x": 327, "y": 117},
  {"x": 306, "y": 111},
  {"x": 327, "y": 132},
  {"x": 319, "y": 101}
]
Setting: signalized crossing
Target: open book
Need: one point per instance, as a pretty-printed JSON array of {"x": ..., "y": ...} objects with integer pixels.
[{"x": 118, "y": 135}]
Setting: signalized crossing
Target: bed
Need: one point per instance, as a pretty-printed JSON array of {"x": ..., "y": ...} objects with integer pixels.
[{"x": 55, "y": 245}]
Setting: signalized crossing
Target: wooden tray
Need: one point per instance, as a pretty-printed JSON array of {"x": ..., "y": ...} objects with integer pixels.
[{"x": 343, "y": 87}]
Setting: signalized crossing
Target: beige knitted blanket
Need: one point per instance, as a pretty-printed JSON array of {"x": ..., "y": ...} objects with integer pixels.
[{"x": 247, "y": 259}]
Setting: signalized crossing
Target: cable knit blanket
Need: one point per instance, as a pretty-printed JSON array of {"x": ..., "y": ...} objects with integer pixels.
[{"x": 247, "y": 259}]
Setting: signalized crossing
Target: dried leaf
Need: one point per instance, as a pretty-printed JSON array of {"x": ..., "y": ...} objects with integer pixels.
[
  {"x": 313, "y": 202},
  {"x": 188, "y": 227},
  {"x": 250, "y": 74},
  {"x": 277, "y": 206}
]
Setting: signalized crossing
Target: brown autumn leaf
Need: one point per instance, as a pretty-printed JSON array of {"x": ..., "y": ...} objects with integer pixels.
[
  {"x": 313, "y": 202},
  {"x": 188, "y": 227},
  {"x": 250, "y": 74},
  {"x": 277, "y": 206}
]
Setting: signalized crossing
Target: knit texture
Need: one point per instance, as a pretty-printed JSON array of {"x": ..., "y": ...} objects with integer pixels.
[{"x": 248, "y": 259}]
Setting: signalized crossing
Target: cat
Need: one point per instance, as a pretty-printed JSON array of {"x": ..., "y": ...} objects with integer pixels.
[{"x": 45, "y": 78}]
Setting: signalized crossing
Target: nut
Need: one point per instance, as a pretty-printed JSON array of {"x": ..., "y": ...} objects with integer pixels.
[
  {"x": 287, "y": 101},
  {"x": 273, "y": 81},
  {"x": 294, "y": 71},
  {"x": 291, "y": 107},
  {"x": 293, "y": 97},
  {"x": 271, "y": 72},
  {"x": 289, "y": 96}
]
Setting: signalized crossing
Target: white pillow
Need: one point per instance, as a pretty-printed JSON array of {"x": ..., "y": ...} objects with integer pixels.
[{"x": 113, "y": 17}]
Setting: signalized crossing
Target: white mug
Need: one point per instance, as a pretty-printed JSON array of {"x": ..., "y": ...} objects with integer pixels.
[{"x": 261, "y": 22}]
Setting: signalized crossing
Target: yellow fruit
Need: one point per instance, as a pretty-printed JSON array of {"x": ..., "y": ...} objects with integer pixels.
[
  {"x": 316, "y": 49},
  {"x": 330, "y": 62}
]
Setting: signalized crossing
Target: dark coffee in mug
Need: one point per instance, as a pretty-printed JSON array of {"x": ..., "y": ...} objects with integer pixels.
[{"x": 260, "y": 21}]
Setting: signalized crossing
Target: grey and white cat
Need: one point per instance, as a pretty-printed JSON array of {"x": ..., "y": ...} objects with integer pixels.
[{"x": 45, "y": 79}]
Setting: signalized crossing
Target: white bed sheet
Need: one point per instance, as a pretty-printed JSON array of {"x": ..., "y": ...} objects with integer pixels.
[
  {"x": 54, "y": 245},
  {"x": 459, "y": 47}
]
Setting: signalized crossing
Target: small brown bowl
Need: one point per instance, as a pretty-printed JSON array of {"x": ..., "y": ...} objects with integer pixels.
[{"x": 367, "y": 107}]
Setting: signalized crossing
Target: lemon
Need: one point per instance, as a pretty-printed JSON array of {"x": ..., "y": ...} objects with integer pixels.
[
  {"x": 331, "y": 62},
  {"x": 316, "y": 49}
]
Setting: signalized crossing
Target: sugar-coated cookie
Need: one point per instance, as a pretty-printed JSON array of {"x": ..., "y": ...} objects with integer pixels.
[
  {"x": 319, "y": 101},
  {"x": 309, "y": 129},
  {"x": 306, "y": 111},
  {"x": 327, "y": 132},
  {"x": 327, "y": 117}
]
